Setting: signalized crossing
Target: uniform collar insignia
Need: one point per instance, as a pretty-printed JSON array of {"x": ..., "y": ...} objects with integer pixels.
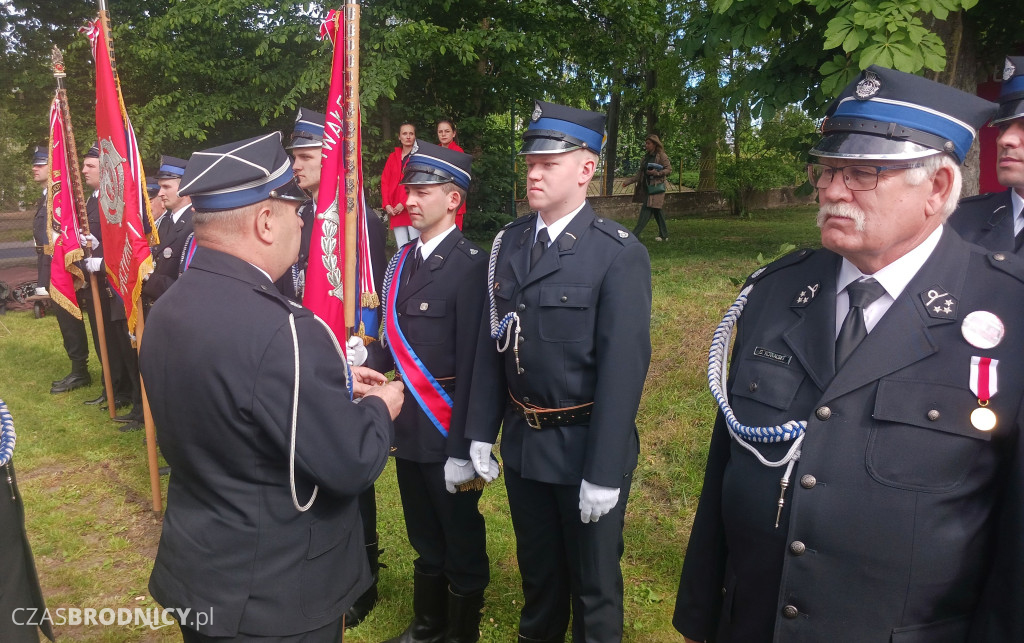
[
  {"x": 939, "y": 303},
  {"x": 806, "y": 294}
]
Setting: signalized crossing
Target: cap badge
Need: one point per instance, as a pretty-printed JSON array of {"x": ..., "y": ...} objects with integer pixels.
[
  {"x": 1008, "y": 70},
  {"x": 537, "y": 112},
  {"x": 868, "y": 86}
]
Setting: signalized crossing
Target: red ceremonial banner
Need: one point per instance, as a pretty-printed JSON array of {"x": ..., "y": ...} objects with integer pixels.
[
  {"x": 65, "y": 276},
  {"x": 324, "y": 292},
  {"x": 122, "y": 201}
]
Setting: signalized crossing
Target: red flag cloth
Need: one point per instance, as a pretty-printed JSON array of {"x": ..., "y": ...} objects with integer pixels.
[
  {"x": 324, "y": 290},
  {"x": 65, "y": 276},
  {"x": 122, "y": 201}
]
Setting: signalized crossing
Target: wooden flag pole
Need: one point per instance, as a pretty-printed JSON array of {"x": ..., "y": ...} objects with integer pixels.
[
  {"x": 154, "y": 467},
  {"x": 351, "y": 158},
  {"x": 83, "y": 223}
]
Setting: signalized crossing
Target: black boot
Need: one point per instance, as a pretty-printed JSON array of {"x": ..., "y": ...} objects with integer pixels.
[
  {"x": 558, "y": 639},
  {"x": 364, "y": 604},
  {"x": 430, "y": 611},
  {"x": 78, "y": 378},
  {"x": 464, "y": 617}
]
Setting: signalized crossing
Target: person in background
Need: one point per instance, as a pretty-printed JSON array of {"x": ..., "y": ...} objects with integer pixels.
[
  {"x": 996, "y": 221},
  {"x": 650, "y": 187},
  {"x": 446, "y": 138},
  {"x": 392, "y": 191}
]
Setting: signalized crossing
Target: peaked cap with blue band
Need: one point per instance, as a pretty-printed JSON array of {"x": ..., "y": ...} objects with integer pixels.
[
  {"x": 308, "y": 131},
  {"x": 93, "y": 152},
  {"x": 171, "y": 167},
  {"x": 432, "y": 164},
  {"x": 238, "y": 174},
  {"x": 554, "y": 129},
  {"x": 1011, "y": 94},
  {"x": 892, "y": 115},
  {"x": 40, "y": 155}
]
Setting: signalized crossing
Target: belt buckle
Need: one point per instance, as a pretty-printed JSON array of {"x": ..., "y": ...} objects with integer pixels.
[{"x": 532, "y": 419}]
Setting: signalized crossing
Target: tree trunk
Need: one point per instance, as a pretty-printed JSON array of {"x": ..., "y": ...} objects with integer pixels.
[{"x": 611, "y": 156}]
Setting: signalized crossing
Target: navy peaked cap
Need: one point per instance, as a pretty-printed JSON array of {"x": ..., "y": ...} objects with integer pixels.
[
  {"x": 171, "y": 167},
  {"x": 1011, "y": 94},
  {"x": 309, "y": 129},
  {"x": 40, "y": 155},
  {"x": 239, "y": 174},
  {"x": 888, "y": 114},
  {"x": 429, "y": 164},
  {"x": 556, "y": 128},
  {"x": 94, "y": 151}
]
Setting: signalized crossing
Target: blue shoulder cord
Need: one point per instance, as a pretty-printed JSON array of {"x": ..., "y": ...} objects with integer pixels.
[
  {"x": 501, "y": 328},
  {"x": 743, "y": 434}
]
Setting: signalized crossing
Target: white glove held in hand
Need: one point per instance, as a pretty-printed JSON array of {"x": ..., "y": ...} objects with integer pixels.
[
  {"x": 596, "y": 501},
  {"x": 356, "y": 351},
  {"x": 94, "y": 264},
  {"x": 480, "y": 454},
  {"x": 88, "y": 239},
  {"x": 456, "y": 472}
]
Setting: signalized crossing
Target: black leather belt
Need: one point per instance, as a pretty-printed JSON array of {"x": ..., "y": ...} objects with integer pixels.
[{"x": 538, "y": 417}]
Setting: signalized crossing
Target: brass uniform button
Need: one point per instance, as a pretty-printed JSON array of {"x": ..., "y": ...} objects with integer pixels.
[
  {"x": 807, "y": 481},
  {"x": 933, "y": 415},
  {"x": 790, "y": 611},
  {"x": 753, "y": 387},
  {"x": 797, "y": 547},
  {"x": 823, "y": 413}
]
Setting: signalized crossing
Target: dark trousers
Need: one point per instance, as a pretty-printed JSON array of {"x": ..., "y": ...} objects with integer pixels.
[
  {"x": 116, "y": 334},
  {"x": 330, "y": 633},
  {"x": 76, "y": 340},
  {"x": 43, "y": 270},
  {"x": 568, "y": 567},
  {"x": 645, "y": 216},
  {"x": 368, "y": 514},
  {"x": 446, "y": 529}
]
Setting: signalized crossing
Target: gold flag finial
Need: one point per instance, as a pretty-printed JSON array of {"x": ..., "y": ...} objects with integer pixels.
[{"x": 57, "y": 60}]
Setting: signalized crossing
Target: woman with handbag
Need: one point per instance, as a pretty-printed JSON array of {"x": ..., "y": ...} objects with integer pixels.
[{"x": 650, "y": 186}]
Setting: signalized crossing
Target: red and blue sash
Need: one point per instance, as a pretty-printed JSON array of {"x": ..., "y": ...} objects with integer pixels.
[{"x": 436, "y": 404}]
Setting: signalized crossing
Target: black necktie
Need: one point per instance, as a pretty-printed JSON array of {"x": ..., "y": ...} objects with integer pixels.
[
  {"x": 539, "y": 246},
  {"x": 853, "y": 331},
  {"x": 417, "y": 260},
  {"x": 1018, "y": 241}
]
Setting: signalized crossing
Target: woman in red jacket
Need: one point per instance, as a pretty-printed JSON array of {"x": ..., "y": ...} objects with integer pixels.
[
  {"x": 446, "y": 138},
  {"x": 392, "y": 191}
]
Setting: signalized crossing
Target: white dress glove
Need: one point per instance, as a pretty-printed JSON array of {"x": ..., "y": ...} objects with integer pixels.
[
  {"x": 480, "y": 454},
  {"x": 90, "y": 240},
  {"x": 94, "y": 264},
  {"x": 596, "y": 501},
  {"x": 356, "y": 351},
  {"x": 457, "y": 471}
]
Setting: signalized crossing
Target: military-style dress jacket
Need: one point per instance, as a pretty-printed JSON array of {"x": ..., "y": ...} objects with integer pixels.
[
  {"x": 439, "y": 312},
  {"x": 584, "y": 313},
  {"x": 167, "y": 256},
  {"x": 219, "y": 365},
  {"x": 902, "y": 521},
  {"x": 986, "y": 219}
]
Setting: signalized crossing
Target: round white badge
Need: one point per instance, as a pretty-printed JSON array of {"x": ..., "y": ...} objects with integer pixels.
[
  {"x": 983, "y": 419},
  {"x": 167, "y": 253},
  {"x": 982, "y": 329}
]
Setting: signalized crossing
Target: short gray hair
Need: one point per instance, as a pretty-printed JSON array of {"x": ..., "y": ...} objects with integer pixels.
[
  {"x": 930, "y": 165},
  {"x": 224, "y": 222}
]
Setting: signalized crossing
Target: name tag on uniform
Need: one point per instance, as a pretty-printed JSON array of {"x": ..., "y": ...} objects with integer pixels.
[{"x": 770, "y": 355}]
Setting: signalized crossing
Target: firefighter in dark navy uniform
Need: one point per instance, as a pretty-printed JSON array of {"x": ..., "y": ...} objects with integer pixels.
[
  {"x": 561, "y": 364},
  {"x": 268, "y": 453},
  {"x": 865, "y": 478},
  {"x": 173, "y": 228},
  {"x": 434, "y": 300},
  {"x": 996, "y": 220}
]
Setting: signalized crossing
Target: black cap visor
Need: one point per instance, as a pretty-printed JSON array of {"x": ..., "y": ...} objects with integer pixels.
[
  {"x": 1009, "y": 111},
  {"x": 425, "y": 175},
  {"x": 851, "y": 145},
  {"x": 290, "y": 191},
  {"x": 539, "y": 141}
]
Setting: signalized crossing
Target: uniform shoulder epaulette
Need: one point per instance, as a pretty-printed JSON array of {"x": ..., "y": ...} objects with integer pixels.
[
  {"x": 1008, "y": 262},
  {"x": 979, "y": 198},
  {"x": 469, "y": 248},
  {"x": 791, "y": 259},
  {"x": 518, "y": 221},
  {"x": 614, "y": 230},
  {"x": 271, "y": 292}
]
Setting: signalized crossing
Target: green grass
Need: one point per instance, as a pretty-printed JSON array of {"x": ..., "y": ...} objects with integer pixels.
[{"x": 86, "y": 486}]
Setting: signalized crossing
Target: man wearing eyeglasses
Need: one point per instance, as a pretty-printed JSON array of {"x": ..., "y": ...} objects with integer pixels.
[
  {"x": 996, "y": 220},
  {"x": 865, "y": 478},
  {"x": 262, "y": 537}
]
